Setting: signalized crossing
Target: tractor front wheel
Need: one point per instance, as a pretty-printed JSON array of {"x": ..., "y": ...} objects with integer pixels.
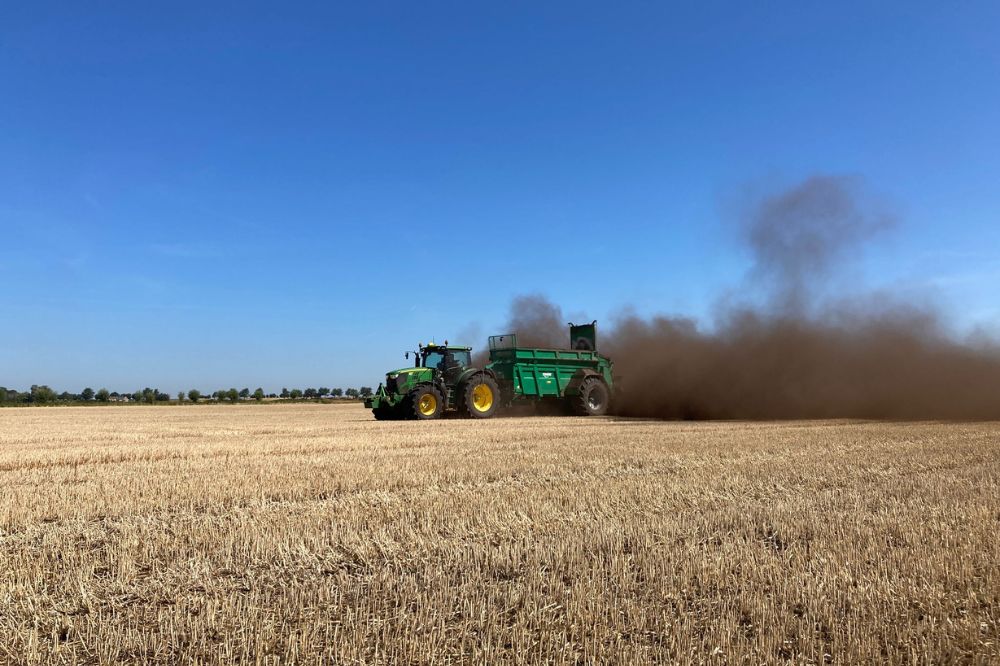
[
  {"x": 425, "y": 402},
  {"x": 385, "y": 413},
  {"x": 481, "y": 397}
]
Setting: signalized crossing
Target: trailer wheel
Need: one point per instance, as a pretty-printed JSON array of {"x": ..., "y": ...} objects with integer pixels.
[
  {"x": 424, "y": 402},
  {"x": 593, "y": 398},
  {"x": 481, "y": 397}
]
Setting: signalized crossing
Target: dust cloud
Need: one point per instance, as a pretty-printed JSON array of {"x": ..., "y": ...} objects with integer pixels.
[{"x": 790, "y": 345}]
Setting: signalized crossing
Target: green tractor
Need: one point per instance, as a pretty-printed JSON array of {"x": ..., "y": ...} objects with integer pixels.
[
  {"x": 444, "y": 379},
  {"x": 578, "y": 380}
]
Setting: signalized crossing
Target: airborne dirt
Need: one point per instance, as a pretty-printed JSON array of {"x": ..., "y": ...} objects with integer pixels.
[{"x": 792, "y": 349}]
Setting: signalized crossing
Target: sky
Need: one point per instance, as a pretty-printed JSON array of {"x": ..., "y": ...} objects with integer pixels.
[{"x": 206, "y": 195}]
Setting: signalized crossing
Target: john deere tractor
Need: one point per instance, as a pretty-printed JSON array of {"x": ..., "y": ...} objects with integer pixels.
[{"x": 442, "y": 380}]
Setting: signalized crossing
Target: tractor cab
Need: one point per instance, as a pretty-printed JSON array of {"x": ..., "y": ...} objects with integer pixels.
[{"x": 444, "y": 357}]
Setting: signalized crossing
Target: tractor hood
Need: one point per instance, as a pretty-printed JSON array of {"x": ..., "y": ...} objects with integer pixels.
[
  {"x": 404, "y": 380},
  {"x": 408, "y": 371}
]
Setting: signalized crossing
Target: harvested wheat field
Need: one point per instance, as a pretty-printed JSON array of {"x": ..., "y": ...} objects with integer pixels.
[{"x": 311, "y": 533}]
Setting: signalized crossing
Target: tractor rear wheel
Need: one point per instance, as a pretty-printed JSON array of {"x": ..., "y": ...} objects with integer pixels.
[
  {"x": 481, "y": 397},
  {"x": 593, "y": 398},
  {"x": 424, "y": 402}
]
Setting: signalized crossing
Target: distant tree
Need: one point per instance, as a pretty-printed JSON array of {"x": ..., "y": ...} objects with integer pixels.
[
  {"x": 102, "y": 395},
  {"x": 180, "y": 396},
  {"x": 310, "y": 393},
  {"x": 194, "y": 395},
  {"x": 365, "y": 391},
  {"x": 115, "y": 394},
  {"x": 296, "y": 394},
  {"x": 3, "y": 394},
  {"x": 285, "y": 393},
  {"x": 336, "y": 393},
  {"x": 322, "y": 391},
  {"x": 245, "y": 393},
  {"x": 87, "y": 394},
  {"x": 41, "y": 395},
  {"x": 233, "y": 395},
  {"x": 258, "y": 395},
  {"x": 351, "y": 393},
  {"x": 161, "y": 397},
  {"x": 66, "y": 396}
]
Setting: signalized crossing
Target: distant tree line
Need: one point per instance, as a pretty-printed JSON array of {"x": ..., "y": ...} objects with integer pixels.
[{"x": 44, "y": 395}]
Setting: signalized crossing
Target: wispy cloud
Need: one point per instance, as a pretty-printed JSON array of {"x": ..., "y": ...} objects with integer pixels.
[
  {"x": 944, "y": 280},
  {"x": 185, "y": 250}
]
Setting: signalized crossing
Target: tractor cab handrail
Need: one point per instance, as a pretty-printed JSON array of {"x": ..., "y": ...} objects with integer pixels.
[{"x": 505, "y": 341}]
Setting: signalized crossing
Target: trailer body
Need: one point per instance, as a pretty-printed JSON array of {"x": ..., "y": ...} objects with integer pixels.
[{"x": 533, "y": 373}]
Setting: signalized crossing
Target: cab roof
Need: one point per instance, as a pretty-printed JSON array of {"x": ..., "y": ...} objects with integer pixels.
[{"x": 433, "y": 346}]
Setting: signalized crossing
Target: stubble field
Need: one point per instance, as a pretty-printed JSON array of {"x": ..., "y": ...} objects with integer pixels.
[{"x": 313, "y": 534}]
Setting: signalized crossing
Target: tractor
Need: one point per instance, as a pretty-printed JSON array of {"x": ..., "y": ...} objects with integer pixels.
[{"x": 443, "y": 380}]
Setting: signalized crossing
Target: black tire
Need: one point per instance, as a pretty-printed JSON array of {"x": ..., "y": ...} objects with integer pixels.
[
  {"x": 424, "y": 403},
  {"x": 480, "y": 397},
  {"x": 385, "y": 413},
  {"x": 593, "y": 399}
]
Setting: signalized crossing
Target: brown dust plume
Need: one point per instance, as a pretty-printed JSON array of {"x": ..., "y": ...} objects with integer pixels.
[{"x": 787, "y": 347}]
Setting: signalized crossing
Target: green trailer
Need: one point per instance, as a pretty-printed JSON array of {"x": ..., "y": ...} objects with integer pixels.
[{"x": 579, "y": 380}]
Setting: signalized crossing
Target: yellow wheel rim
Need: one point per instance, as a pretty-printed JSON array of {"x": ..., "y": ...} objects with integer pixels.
[
  {"x": 428, "y": 404},
  {"x": 482, "y": 398}
]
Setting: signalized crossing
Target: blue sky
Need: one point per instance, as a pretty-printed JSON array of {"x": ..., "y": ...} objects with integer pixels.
[{"x": 230, "y": 194}]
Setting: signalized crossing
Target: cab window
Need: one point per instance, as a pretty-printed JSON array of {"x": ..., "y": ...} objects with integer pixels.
[{"x": 433, "y": 359}]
